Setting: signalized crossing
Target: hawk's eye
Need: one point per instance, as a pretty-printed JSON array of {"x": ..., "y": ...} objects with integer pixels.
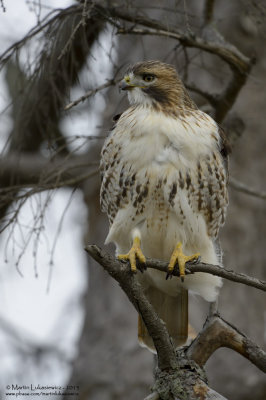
[{"x": 148, "y": 77}]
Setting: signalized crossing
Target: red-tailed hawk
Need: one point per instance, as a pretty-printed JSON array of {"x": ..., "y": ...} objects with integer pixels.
[{"x": 164, "y": 188}]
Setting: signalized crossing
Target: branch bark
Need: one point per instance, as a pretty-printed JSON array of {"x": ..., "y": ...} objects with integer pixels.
[
  {"x": 219, "y": 333},
  {"x": 190, "y": 269},
  {"x": 226, "y": 51},
  {"x": 128, "y": 282}
]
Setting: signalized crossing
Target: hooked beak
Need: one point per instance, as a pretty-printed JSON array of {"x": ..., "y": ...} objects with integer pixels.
[{"x": 124, "y": 85}]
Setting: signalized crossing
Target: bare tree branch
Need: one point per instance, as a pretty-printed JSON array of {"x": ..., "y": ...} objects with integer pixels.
[
  {"x": 3, "y": 6},
  {"x": 92, "y": 92},
  {"x": 241, "y": 187},
  {"x": 46, "y": 22},
  {"x": 178, "y": 377},
  {"x": 211, "y": 42},
  {"x": 226, "y": 51},
  {"x": 30, "y": 169},
  {"x": 190, "y": 269},
  {"x": 215, "y": 44},
  {"x": 39, "y": 105},
  {"x": 219, "y": 333},
  {"x": 212, "y": 99},
  {"x": 28, "y": 347},
  {"x": 176, "y": 370},
  {"x": 128, "y": 282}
]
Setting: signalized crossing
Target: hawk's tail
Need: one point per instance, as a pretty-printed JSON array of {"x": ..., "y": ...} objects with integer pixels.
[{"x": 173, "y": 311}]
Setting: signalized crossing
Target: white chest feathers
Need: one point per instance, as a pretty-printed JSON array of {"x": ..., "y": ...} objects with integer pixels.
[{"x": 148, "y": 136}]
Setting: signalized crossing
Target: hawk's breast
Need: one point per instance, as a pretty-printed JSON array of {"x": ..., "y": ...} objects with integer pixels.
[{"x": 164, "y": 176}]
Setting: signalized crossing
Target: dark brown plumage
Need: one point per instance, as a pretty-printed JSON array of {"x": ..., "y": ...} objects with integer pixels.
[{"x": 168, "y": 90}]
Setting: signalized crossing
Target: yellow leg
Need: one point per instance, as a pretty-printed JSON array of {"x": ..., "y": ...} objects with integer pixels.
[
  {"x": 134, "y": 253},
  {"x": 179, "y": 257}
]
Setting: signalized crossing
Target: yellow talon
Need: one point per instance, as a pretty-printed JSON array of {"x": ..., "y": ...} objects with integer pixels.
[
  {"x": 134, "y": 253},
  {"x": 179, "y": 257}
]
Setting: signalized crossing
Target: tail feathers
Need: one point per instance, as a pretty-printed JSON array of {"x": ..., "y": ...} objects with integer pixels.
[{"x": 173, "y": 311}]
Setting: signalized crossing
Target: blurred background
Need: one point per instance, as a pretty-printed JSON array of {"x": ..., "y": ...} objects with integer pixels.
[{"x": 63, "y": 320}]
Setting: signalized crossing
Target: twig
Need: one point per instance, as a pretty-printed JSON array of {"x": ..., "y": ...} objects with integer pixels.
[
  {"x": 2, "y": 5},
  {"x": 208, "y": 11},
  {"x": 241, "y": 187},
  {"x": 92, "y": 92},
  {"x": 46, "y": 22},
  {"x": 228, "y": 274}
]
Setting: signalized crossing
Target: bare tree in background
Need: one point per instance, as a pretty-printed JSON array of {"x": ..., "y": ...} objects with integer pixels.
[{"x": 214, "y": 46}]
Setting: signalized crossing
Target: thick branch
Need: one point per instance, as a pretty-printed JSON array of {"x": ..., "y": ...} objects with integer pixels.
[
  {"x": 226, "y": 51},
  {"x": 228, "y": 97},
  {"x": 219, "y": 333},
  {"x": 130, "y": 285},
  {"x": 212, "y": 99},
  {"x": 30, "y": 169}
]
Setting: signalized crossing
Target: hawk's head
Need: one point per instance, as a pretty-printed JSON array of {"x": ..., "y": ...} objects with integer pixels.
[{"x": 155, "y": 83}]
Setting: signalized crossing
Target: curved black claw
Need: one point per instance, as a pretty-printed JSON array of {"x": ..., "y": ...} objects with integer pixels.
[
  {"x": 141, "y": 266},
  {"x": 169, "y": 275},
  {"x": 173, "y": 272}
]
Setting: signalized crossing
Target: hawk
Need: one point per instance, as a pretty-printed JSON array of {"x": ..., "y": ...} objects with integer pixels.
[{"x": 164, "y": 188}]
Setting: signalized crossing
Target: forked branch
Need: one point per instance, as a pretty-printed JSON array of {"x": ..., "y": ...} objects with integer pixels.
[
  {"x": 219, "y": 333},
  {"x": 180, "y": 373}
]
